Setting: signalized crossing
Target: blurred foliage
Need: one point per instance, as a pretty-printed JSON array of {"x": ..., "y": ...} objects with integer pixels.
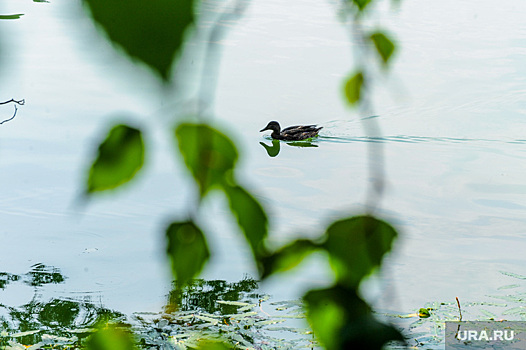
[
  {"x": 360, "y": 4},
  {"x": 111, "y": 336},
  {"x": 339, "y": 317},
  {"x": 355, "y": 246},
  {"x": 384, "y": 46},
  {"x": 209, "y": 155},
  {"x": 187, "y": 249},
  {"x": 155, "y": 34},
  {"x": 353, "y": 88},
  {"x": 251, "y": 218},
  {"x": 120, "y": 157},
  {"x": 342, "y": 320},
  {"x": 151, "y": 32}
]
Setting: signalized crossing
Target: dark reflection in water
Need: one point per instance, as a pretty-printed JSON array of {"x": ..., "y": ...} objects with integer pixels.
[
  {"x": 235, "y": 310},
  {"x": 273, "y": 150},
  {"x": 203, "y": 295},
  {"x": 39, "y": 275},
  {"x": 47, "y": 322}
]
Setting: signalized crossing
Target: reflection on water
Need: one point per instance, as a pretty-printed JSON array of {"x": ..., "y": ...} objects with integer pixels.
[
  {"x": 237, "y": 310},
  {"x": 38, "y": 276},
  {"x": 202, "y": 295},
  {"x": 202, "y": 309},
  {"x": 274, "y": 149},
  {"x": 47, "y": 322}
]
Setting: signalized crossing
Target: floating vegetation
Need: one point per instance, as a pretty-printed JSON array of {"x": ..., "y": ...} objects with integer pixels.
[
  {"x": 234, "y": 313},
  {"x": 426, "y": 330},
  {"x": 251, "y": 321}
]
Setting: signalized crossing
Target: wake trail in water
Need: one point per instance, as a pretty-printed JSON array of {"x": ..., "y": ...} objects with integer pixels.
[{"x": 340, "y": 131}]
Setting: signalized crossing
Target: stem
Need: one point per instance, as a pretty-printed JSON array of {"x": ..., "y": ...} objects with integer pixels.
[{"x": 16, "y": 102}]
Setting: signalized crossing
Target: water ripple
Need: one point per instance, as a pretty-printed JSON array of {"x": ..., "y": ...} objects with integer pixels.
[{"x": 339, "y": 131}]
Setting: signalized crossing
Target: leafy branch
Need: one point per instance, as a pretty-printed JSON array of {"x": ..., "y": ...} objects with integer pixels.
[
  {"x": 355, "y": 246},
  {"x": 370, "y": 46}
]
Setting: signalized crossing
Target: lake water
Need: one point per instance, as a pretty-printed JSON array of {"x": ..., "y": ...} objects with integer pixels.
[{"x": 451, "y": 110}]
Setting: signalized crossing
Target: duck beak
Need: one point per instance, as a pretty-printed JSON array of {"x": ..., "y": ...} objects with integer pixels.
[{"x": 265, "y": 128}]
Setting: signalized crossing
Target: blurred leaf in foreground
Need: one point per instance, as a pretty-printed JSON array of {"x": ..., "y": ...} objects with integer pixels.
[
  {"x": 342, "y": 320},
  {"x": 251, "y": 217},
  {"x": 120, "y": 157},
  {"x": 111, "y": 337},
  {"x": 384, "y": 46},
  {"x": 288, "y": 257},
  {"x": 151, "y": 31},
  {"x": 361, "y": 4},
  {"x": 187, "y": 250},
  {"x": 356, "y": 247},
  {"x": 353, "y": 88},
  {"x": 209, "y": 154}
]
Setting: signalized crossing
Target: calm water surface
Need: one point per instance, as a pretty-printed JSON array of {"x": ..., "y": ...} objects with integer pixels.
[{"x": 452, "y": 114}]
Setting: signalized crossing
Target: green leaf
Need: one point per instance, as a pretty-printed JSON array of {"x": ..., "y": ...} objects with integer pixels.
[
  {"x": 120, "y": 157},
  {"x": 288, "y": 257},
  {"x": 384, "y": 46},
  {"x": 251, "y": 217},
  {"x": 15, "y": 16},
  {"x": 361, "y": 4},
  {"x": 424, "y": 313},
  {"x": 152, "y": 31},
  {"x": 356, "y": 247},
  {"x": 353, "y": 88},
  {"x": 187, "y": 250},
  {"x": 111, "y": 337},
  {"x": 208, "y": 154},
  {"x": 342, "y": 320}
]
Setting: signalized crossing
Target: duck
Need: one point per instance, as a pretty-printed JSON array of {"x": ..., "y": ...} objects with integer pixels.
[{"x": 292, "y": 133}]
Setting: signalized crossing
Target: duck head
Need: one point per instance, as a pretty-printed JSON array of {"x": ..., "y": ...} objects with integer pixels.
[{"x": 273, "y": 125}]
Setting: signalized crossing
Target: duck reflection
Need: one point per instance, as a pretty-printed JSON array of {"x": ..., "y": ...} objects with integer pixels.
[{"x": 273, "y": 150}]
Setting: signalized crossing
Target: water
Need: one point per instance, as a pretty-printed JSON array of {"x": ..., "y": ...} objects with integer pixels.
[{"x": 451, "y": 111}]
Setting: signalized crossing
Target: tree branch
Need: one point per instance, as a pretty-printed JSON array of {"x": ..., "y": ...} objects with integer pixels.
[{"x": 17, "y": 102}]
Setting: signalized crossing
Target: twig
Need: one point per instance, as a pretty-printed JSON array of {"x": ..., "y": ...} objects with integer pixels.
[
  {"x": 13, "y": 117},
  {"x": 18, "y": 102},
  {"x": 459, "y": 310}
]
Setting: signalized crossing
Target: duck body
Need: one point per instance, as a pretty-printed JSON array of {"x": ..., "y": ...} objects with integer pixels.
[{"x": 292, "y": 133}]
